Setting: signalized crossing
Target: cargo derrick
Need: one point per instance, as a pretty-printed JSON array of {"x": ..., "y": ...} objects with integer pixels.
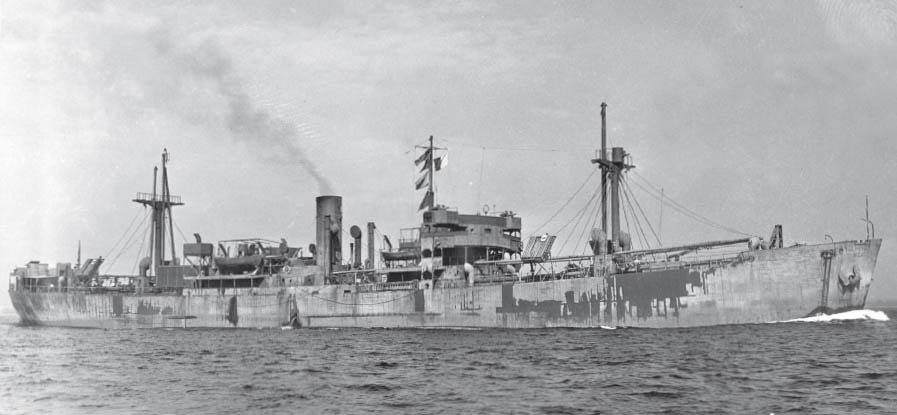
[
  {"x": 165, "y": 273},
  {"x": 615, "y": 255}
]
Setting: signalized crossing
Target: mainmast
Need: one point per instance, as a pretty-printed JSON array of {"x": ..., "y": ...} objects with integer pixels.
[
  {"x": 161, "y": 206},
  {"x": 603, "y": 156},
  {"x": 612, "y": 169}
]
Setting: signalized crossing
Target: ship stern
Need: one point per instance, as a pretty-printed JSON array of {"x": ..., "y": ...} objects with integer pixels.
[{"x": 24, "y": 306}]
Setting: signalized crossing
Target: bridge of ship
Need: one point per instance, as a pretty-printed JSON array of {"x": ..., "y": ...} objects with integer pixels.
[{"x": 447, "y": 239}]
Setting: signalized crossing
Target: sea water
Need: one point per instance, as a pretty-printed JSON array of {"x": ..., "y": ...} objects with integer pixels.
[{"x": 827, "y": 364}]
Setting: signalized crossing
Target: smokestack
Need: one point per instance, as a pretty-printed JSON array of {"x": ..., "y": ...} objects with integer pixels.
[
  {"x": 355, "y": 232},
  {"x": 372, "y": 264},
  {"x": 329, "y": 220}
]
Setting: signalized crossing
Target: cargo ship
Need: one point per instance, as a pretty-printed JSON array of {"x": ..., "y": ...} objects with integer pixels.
[{"x": 452, "y": 270}]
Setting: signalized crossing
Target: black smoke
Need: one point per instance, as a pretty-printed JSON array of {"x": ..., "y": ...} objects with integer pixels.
[{"x": 247, "y": 121}]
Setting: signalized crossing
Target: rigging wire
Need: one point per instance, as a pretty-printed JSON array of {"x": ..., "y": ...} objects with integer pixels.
[
  {"x": 143, "y": 242},
  {"x": 504, "y": 148},
  {"x": 626, "y": 218},
  {"x": 381, "y": 236},
  {"x": 624, "y": 202},
  {"x": 627, "y": 188},
  {"x": 183, "y": 238},
  {"x": 588, "y": 226},
  {"x": 595, "y": 219},
  {"x": 652, "y": 191},
  {"x": 638, "y": 221},
  {"x": 585, "y": 225},
  {"x": 575, "y": 215},
  {"x": 638, "y": 225},
  {"x": 149, "y": 243},
  {"x": 128, "y": 229},
  {"x": 124, "y": 247},
  {"x": 565, "y": 203},
  {"x": 579, "y": 216},
  {"x": 128, "y": 243}
]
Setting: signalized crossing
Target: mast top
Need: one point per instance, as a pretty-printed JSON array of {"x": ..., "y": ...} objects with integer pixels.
[{"x": 159, "y": 200}]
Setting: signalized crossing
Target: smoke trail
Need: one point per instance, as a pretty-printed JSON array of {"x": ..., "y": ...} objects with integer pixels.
[{"x": 245, "y": 120}]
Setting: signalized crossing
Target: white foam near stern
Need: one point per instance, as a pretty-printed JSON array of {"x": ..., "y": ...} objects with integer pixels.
[{"x": 847, "y": 315}]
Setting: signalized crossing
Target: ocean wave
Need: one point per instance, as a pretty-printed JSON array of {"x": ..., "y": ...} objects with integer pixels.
[
  {"x": 449, "y": 328},
  {"x": 845, "y": 316}
]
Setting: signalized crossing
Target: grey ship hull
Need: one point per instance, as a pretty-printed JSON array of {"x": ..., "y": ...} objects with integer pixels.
[{"x": 760, "y": 286}]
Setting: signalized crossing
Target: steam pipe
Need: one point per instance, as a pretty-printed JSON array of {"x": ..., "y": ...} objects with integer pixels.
[
  {"x": 372, "y": 263},
  {"x": 355, "y": 232}
]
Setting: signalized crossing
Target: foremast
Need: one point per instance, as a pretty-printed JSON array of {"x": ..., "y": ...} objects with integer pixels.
[{"x": 160, "y": 201}]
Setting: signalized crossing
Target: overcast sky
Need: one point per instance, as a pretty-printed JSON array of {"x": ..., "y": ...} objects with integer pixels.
[{"x": 749, "y": 113}]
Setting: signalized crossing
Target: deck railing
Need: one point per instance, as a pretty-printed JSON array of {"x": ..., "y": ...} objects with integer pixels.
[
  {"x": 149, "y": 197},
  {"x": 387, "y": 286}
]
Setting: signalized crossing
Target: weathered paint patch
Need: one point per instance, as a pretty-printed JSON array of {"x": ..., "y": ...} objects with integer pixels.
[
  {"x": 232, "y": 316},
  {"x": 419, "y": 302},
  {"x": 146, "y": 307},
  {"x": 551, "y": 308},
  {"x": 510, "y": 304},
  {"x": 508, "y": 301},
  {"x": 117, "y": 305},
  {"x": 640, "y": 294},
  {"x": 641, "y": 289},
  {"x": 642, "y": 286},
  {"x": 589, "y": 304}
]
